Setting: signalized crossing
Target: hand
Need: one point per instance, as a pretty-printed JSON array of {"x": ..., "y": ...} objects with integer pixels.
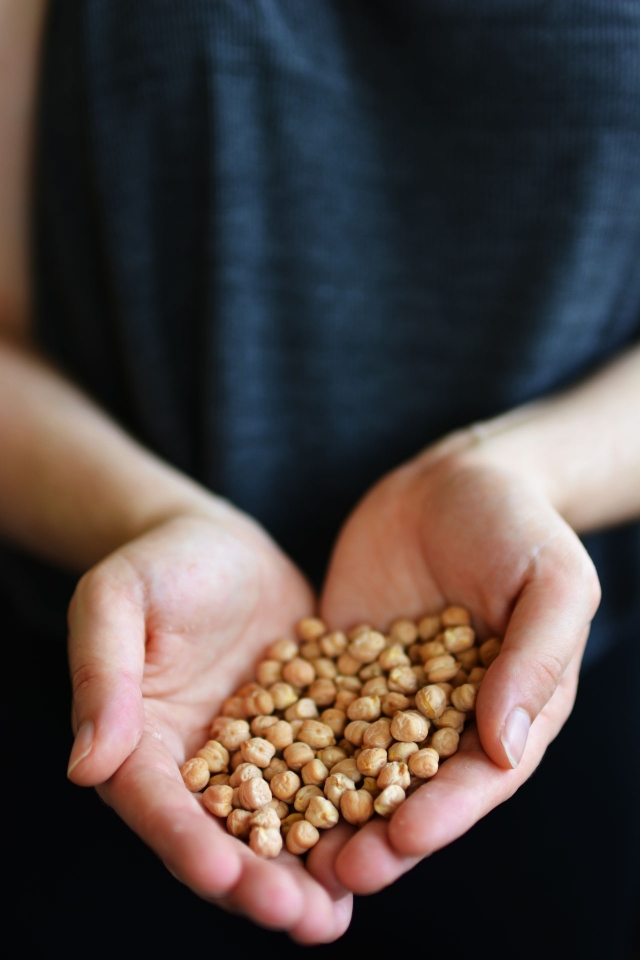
[
  {"x": 161, "y": 632},
  {"x": 450, "y": 528}
]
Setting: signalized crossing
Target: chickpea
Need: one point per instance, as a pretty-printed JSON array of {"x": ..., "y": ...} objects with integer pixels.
[
  {"x": 477, "y": 675},
  {"x": 336, "y": 785},
  {"x": 457, "y": 639},
  {"x": 451, "y": 718},
  {"x": 244, "y": 771},
  {"x": 389, "y": 800},
  {"x": 356, "y": 806},
  {"x": 461, "y": 677},
  {"x": 392, "y": 702},
  {"x": 301, "y": 836},
  {"x": 261, "y": 723},
  {"x": 321, "y": 813},
  {"x": 248, "y": 689},
  {"x": 258, "y": 751},
  {"x": 404, "y": 632},
  {"x": 489, "y": 651},
  {"x": 445, "y": 742},
  {"x": 333, "y": 644},
  {"x": 258, "y": 704},
  {"x": 441, "y": 668},
  {"x": 344, "y": 699},
  {"x": 376, "y": 687},
  {"x": 217, "y": 800},
  {"x": 371, "y": 761},
  {"x": 303, "y": 709},
  {"x": 464, "y": 698},
  {"x": 215, "y": 755},
  {"x": 289, "y": 821},
  {"x": 351, "y": 683},
  {"x": 350, "y": 769},
  {"x": 265, "y": 843},
  {"x": 317, "y": 734},
  {"x": 235, "y": 760},
  {"x": 336, "y": 719},
  {"x": 414, "y": 652},
  {"x": 370, "y": 671},
  {"x": 355, "y": 731},
  {"x": 268, "y": 672},
  {"x": 219, "y": 778},
  {"x": 394, "y": 773},
  {"x": 238, "y": 823},
  {"x": 468, "y": 659},
  {"x": 283, "y": 695},
  {"x": 254, "y": 793},
  {"x": 430, "y": 701},
  {"x": 276, "y": 766},
  {"x": 299, "y": 672},
  {"x": 359, "y": 629},
  {"x": 433, "y": 648},
  {"x": 304, "y": 796},
  {"x": 409, "y": 726},
  {"x": 424, "y": 763},
  {"x": 325, "y": 668},
  {"x": 265, "y": 817},
  {"x": 367, "y": 646},
  {"x": 280, "y": 807},
  {"x": 295, "y": 728},
  {"x": 420, "y": 675},
  {"x": 402, "y": 752},
  {"x": 378, "y": 734},
  {"x": 229, "y": 732},
  {"x": 370, "y": 784},
  {"x": 283, "y": 650},
  {"x": 332, "y": 755},
  {"x": 348, "y": 665},
  {"x": 195, "y": 773},
  {"x": 314, "y": 773},
  {"x": 233, "y": 707},
  {"x": 310, "y": 651},
  {"x": 323, "y": 692},
  {"x": 429, "y": 627},
  {"x": 364, "y": 708},
  {"x": 298, "y": 754},
  {"x": 448, "y": 690},
  {"x": 393, "y": 656},
  {"x": 402, "y": 680},
  {"x": 285, "y": 785},
  {"x": 280, "y": 734},
  {"x": 311, "y": 628}
]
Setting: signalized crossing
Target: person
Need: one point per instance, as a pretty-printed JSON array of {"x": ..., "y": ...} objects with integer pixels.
[{"x": 283, "y": 255}]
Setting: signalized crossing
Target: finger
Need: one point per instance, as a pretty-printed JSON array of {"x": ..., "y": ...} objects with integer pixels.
[
  {"x": 106, "y": 658},
  {"x": 368, "y": 863},
  {"x": 549, "y": 623},
  {"x": 321, "y": 859}
]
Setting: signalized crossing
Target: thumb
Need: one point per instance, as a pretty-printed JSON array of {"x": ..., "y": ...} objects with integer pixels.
[
  {"x": 106, "y": 659},
  {"x": 549, "y": 624}
]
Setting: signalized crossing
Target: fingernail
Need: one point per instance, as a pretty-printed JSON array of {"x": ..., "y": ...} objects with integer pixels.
[
  {"x": 81, "y": 745},
  {"x": 514, "y": 735}
]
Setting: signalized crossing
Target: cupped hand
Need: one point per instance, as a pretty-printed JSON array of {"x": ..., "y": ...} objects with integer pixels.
[
  {"x": 447, "y": 529},
  {"x": 161, "y": 631}
]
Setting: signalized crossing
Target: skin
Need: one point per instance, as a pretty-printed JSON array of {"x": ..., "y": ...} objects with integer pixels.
[{"x": 180, "y": 591}]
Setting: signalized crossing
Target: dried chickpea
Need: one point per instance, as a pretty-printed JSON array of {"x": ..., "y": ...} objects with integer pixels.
[
  {"x": 235, "y": 799},
  {"x": 332, "y": 755},
  {"x": 235, "y": 760},
  {"x": 245, "y": 771},
  {"x": 349, "y": 767},
  {"x": 433, "y": 648},
  {"x": 402, "y": 680},
  {"x": 464, "y": 698},
  {"x": 248, "y": 689},
  {"x": 303, "y": 709},
  {"x": 348, "y": 665},
  {"x": 489, "y": 651},
  {"x": 402, "y": 752},
  {"x": 317, "y": 734},
  {"x": 445, "y": 742},
  {"x": 238, "y": 823},
  {"x": 370, "y": 784},
  {"x": 355, "y": 731},
  {"x": 314, "y": 773},
  {"x": 392, "y": 702},
  {"x": 367, "y": 646},
  {"x": 358, "y": 630},
  {"x": 276, "y": 766},
  {"x": 389, "y": 800},
  {"x": 477, "y": 675},
  {"x": 344, "y": 698},
  {"x": 280, "y": 734},
  {"x": 461, "y": 677},
  {"x": 299, "y": 672},
  {"x": 311, "y": 628},
  {"x": 310, "y": 651},
  {"x": 370, "y": 671},
  {"x": 333, "y": 644},
  {"x": 371, "y": 761},
  {"x": 219, "y": 778},
  {"x": 215, "y": 755},
  {"x": 304, "y": 796},
  {"x": 468, "y": 659},
  {"x": 325, "y": 668},
  {"x": 393, "y": 656},
  {"x": 265, "y": 817},
  {"x": 457, "y": 639},
  {"x": 424, "y": 763},
  {"x": 229, "y": 732},
  {"x": 321, "y": 813},
  {"x": 258, "y": 751},
  {"x": 280, "y": 807},
  {"x": 378, "y": 734},
  {"x": 409, "y": 726},
  {"x": 298, "y": 754},
  {"x": 289, "y": 821},
  {"x": 364, "y": 708},
  {"x": 260, "y": 724},
  {"x": 450, "y": 717},
  {"x": 217, "y": 800},
  {"x": 395, "y": 772},
  {"x": 285, "y": 785},
  {"x": 448, "y": 690},
  {"x": 336, "y": 719},
  {"x": 195, "y": 773},
  {"x": 265, "y": 843},
  {"x": 295, "y": 728},
  {"x": 403, "y": 631},
  {"x": 351, "y": 684},
  {"x": 282, "y": 650},
  {"x": 356, "y": 806},
  {"x": 282, "y": 694},
  {"x": 430, "y": 701},
  {"x": 233, "y": 707},
  {"x": 336, "y": 785},
  {"x": 414, "y": 652},
  {"x": 268, "y": 672},
  {"x": 323, "y": 692},
  {"x": 420, "y": 675},
  {"x": 348, "y": 747},
  {"x": 376, "y": 687},
  {"x": 455, "y": 616},
  {"x": 254, "y": 793},
  {"x": 429, "y": 627},
  {"x": 441, "y": 668},
  {"x": 301, "y": 836}
]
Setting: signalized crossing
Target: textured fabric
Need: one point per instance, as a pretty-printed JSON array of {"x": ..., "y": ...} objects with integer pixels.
[{"x": 289, "y": 244}]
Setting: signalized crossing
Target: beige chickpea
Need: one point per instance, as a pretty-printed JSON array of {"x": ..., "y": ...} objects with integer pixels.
[
  {"x": 235, "y": 799},
  {"x": 265, "y": 817},
  {"x": 303, "y": 709},
  {"x": 420, "y": 675},
  {"x": 409, "y": 726},
  {"x": 268, "y": 672},
  {"x": 248, "y": 689},
  {"x": 477, "y": 675},
  {"x": 392, "y": 702},
  {"x": 402, "y": 680},
  {"x": 332, "y": 755},
  {"x": 283, "y": 695},
  {"x": 260, "y": 724},
  {"x": 323, "y": 692},
  {"x": 447, "y": 688},
  {"x": 229, "y": 732},
  {"x": 344, "y": 699},
  {"x": 254, "y": 793},
  {"x": 441, "y": 668},
  {"x": 357, "y": 806},
  {"x": 468, "y": 659},
  {"x": 367, "y": 646},
  {"x": 389, "y": 800},
  {"x": 347, "y": 665},
  {"x": 217, "y": 800},
  {"x": 450, "y": 717},
  {"x": 393, "y": 656},
  {"x": 235, "y": 760},
  {"x": 325, "y": 668},
  {"x": 314, "y": 773},
  {"x": 280, "y": 734},
  {"x": 395, "y": 772},
  {"x": 350, "y": 769},
  {"x": 336, "y": 719},
  {"x": 310, "y": 651},
  {"x": 335, "y": 785},
  {"x": 265, "y": 843},
  {"x": 295, "y": 728},
  {"x": 364, "y": 708},
  {"x": 457, "y": 639},
  {"x": 285, "y": 785},
  {"x": 301, "y": 836},
  {"x": 402, "y": 751},
  {"x": 370, "y": 784},
  {"x": 321, "y": 813},
  {"x": 445, "y": 742},
  {"x": 333, "y": 644},
  {"x": 455, "y": 616},
  {"x": 429, "y": 627},
  {"x": 195, "y": 773},
  {"x": 461, "y": 677},
  {"x": 317, "y": 734},
  {"x": 431, "y": 701},
  {"x": 282, "y": 650},
  {"x": 431, "y": 649},
  {"x": 489, "y": 650},
  {"x": 311, "y": 628},
  {"x": 258, "y": 751},
  {"x": 215, "y": 755},
  {"x": 298, "y": 672},
  {"x": 219, "y": 778},
  {"x": 280, "y": 807},
  {"x": 378, "y": 734},
  {"x": 233, "y": 707},
  {"x": 298, "y": 754},
  {"x": 424, "y": 763},
  {"x": 414, "y": 652},
  {"x": 304, "y": 797},
  {"x": 464, "y": 698},
  {"x": 376, "y": 687},
  {"x": 245, "y": 771},
  {"x": 352, "y": 684},
  {"x": 238, "y": 823},
  {"x": 404, "y": 632},
  {"x": 258, "y": 704},
  {"x": 370, "y": 671},
  {"x": 371, "y": 761},
  {"x": 276, "y": 766},
  {"x": 355, "y": 731},
  {"x": 288, "y": 822}
]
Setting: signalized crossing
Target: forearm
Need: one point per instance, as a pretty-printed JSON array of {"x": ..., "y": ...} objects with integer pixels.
[
  {"x": 580, "y": 447},
  {"x": 73, "y": 485}
]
